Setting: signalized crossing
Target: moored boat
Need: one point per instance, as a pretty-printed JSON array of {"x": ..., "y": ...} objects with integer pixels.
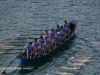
[{"x": 24, "y": 62}]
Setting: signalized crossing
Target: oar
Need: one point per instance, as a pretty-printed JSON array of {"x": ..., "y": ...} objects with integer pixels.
[
  {"x": 10, "y": 63},
  {"x": 23, "y": 38},
  {"x": 31, "y": 34},
  {"x": 9, "y": 53},
  {"x": 38, "y": 30}
]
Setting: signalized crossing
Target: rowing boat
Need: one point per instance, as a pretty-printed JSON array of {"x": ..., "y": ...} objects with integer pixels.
[{"x": 24, "y": 62}]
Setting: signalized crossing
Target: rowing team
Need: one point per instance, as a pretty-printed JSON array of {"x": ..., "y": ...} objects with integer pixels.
[{"x": 47, "y": 42}]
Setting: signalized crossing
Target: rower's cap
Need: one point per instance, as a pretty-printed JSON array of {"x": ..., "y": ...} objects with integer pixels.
[{"x": 30, "y": 43}]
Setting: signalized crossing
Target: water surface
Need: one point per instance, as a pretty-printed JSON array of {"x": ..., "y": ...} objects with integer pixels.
[{"x": 19, "y": 19}]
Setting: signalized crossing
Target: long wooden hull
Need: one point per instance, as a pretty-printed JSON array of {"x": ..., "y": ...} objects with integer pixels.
[{"x": 39, "y": 60}]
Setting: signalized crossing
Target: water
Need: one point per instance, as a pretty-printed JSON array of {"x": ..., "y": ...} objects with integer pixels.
[{"x": 19, "y": 19}]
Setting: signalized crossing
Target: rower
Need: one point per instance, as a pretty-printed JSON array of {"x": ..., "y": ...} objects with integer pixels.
[
  {"x": 45, "y": 47},
  {"x": 52, "y": 32},
  {"x": 39, "y": 50},
  {"x": 67, "y": 30},
  {"x": 57, "y": 29},
  {"x": 30, "y": 50},
  {"x": 41, "y": 40},
  {"x": 46, "y": 36},
  {"x": 36, "y": 44},
  {"x": 57, "y": 38},
  {"x": 62, "y": 35},
  {"x": 50, "y": 42},
  {"x": 66, "y": 24}
]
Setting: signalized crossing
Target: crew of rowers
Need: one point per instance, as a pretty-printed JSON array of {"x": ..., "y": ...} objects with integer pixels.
[{"x": 47, "y": 42}]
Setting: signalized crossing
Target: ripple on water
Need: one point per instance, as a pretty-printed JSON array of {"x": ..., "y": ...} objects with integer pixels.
[{"x": 21, "y": 17}]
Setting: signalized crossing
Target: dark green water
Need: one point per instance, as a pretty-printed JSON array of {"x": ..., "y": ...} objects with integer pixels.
[{"x": 19, "y": 19}]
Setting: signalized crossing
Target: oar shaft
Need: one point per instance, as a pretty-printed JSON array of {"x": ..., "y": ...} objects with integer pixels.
[
  {"x": 31, "y": 34},
  {"x": 38, "y": 30},
  {"x": 10, "y": 63},
  {"x": 9, "y": 53}
]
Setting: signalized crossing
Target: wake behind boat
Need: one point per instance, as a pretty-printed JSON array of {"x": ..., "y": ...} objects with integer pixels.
[{"x": 24, "y": 61}]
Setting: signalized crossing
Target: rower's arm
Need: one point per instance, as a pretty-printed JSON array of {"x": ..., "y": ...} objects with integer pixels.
[
  {"x": 38, "y": 40},
  {"x": 25, "y": 46}
]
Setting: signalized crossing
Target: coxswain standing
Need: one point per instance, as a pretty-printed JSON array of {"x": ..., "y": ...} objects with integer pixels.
[
  {"x": 67, "y": 28},
  {"x": 30, "y": 50}
]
